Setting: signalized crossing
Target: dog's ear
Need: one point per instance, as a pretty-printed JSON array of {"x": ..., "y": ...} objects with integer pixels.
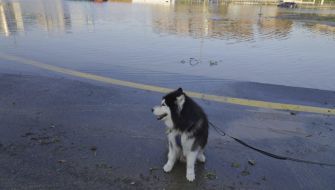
[
  {"x": 180, "y": 90},
  {"x": 180, "y": 100}
]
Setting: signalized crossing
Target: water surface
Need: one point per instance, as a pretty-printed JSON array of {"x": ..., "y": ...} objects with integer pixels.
[{"x": 207, "y": 42}]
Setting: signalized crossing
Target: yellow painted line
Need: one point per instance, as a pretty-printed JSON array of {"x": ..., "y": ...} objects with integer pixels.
[{"x": 221, "y": 99}]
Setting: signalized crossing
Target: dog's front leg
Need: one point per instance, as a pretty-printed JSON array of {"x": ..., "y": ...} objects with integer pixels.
[
  {"x": 190, "y": 162},
  {"x": 174, "y": 151},
  {"x": 172, "y": 157}
]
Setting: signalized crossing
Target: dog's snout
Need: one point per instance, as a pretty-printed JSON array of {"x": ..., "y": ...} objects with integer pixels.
[{"x": 152, "y": 109}]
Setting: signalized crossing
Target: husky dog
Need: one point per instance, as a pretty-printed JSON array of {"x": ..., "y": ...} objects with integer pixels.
[{"x": 187, "y": 130}]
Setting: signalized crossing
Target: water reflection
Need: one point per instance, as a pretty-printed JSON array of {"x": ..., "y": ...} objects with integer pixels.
[
  {"x": 322, "y": 29},
  {"x": 198, "y": 20},
  {"x": 11, "y": 20},
  {"x": 50, "y": 15},
  {"x": 225, "y": 21},
  {"x": 157, "y": 2}
]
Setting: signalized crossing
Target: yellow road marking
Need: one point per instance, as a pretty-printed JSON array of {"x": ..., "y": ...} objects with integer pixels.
[{"x": 221, "y": 99}]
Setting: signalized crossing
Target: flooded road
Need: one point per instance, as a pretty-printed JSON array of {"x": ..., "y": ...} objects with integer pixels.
[{"x": 188, "y": 42}]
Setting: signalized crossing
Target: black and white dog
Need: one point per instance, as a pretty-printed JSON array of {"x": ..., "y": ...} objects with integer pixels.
[{"x": 187, "y": 130}]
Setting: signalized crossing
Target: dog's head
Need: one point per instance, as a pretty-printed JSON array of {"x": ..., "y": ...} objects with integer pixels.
[{"x": 172, "y": 102}]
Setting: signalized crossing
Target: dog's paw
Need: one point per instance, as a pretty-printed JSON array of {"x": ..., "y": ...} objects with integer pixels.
[
  {"x": 190, "y": 177},
  {"x": 167, "y": 167},
  {"x": 201, "y": 158}
]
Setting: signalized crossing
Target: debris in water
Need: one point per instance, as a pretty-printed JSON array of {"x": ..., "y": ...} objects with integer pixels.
[
  {"x": 94, "y": 148},
  {"x": 193, "y": 61},
  {"x": 245, "y": 173},
  {"x": 27, "y": 134},
  {"x": 235, "y": 165},
  {"x": 210, "y": 176},
  {"x": 252, "y": 162},
  {"x": 61, "y": 161},
  {"x": 102, "y": 165},
  {"x": 213, "y": 63},
  {"x": 153, "y": 169}
]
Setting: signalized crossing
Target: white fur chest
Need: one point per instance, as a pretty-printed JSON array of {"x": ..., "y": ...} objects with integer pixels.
[{"x": 168, "y": 122}]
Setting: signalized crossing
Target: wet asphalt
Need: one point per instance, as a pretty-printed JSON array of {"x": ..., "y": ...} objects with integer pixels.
[{"x": 63, "y": 133}]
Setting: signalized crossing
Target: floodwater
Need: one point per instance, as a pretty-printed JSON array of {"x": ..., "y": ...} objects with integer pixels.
[{"x": 173, "y": 41}]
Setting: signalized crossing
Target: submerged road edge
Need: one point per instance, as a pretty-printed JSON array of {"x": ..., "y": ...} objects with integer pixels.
[{"x": 215, "y": 98}]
